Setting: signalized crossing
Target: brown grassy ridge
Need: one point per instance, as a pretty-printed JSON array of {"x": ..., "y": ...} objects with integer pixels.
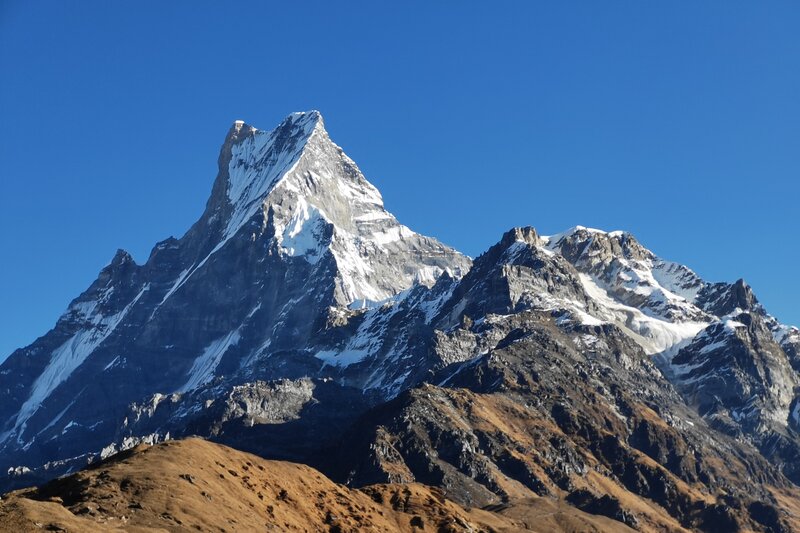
[{"x": 196, "y": 485}]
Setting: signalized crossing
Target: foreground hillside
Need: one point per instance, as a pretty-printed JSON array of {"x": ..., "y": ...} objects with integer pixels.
[{"x": 196, "y": 485}]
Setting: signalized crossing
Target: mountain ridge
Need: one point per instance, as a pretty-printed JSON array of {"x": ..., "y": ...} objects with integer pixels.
[{"x": 196, "y": 485}]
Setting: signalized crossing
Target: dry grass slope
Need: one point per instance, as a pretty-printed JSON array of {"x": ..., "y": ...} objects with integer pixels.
[{"x": 195, "y": 485}]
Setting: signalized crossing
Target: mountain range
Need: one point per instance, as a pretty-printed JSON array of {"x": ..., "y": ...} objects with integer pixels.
[{"x": 298, "y": 320}]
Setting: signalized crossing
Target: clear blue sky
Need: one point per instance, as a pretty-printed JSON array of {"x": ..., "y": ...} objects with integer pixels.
[{"x": 677, "y": 121}]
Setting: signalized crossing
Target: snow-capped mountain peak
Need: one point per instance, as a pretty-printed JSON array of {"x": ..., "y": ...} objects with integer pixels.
[
  {"x": 297, "y": 185},
  {"x": 253, "y": 162}
]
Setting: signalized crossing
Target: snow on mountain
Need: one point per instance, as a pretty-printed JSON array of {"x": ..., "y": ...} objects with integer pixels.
[
  {"x": 260, "y": 159},
  {"x": 317, "y": 200}
]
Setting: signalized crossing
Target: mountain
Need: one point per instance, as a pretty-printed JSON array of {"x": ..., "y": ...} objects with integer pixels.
[
  {"x": 292, "y": 240},
  {"x": 298, "y": 320}
]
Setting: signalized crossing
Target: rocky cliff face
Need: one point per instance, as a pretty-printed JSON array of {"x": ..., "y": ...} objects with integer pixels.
[{"x": 298, "y": 319}]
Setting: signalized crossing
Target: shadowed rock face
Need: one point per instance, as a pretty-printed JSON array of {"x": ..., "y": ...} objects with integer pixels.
[{"x": 298, "y": 319}]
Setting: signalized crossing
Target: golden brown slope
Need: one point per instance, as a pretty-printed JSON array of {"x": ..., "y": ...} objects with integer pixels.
[{"x": 195, "y": 485}]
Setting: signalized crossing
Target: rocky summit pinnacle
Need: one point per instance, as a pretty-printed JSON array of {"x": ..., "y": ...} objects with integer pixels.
[
  {"x": 298, "y": 319},
  {"x": 300, "y": 189}
]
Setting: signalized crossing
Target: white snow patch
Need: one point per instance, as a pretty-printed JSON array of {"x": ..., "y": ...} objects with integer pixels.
[
  {"x": 65, "y": 360},
  {"x": 111, "y": 364},
  {"x": 203, "y": 368},
  {"x": 654, "y": 335},
  {"x": 367, "y": 340},
  {"x": 175, "y": 286},
  {"x": 303, "y": 235},
  {"x": 432, "y": 307},
  {"x": 255, "y": 168},
  {"x": 708, "y": 348},
  {"x": 58, "y": 417},
  {"x": 731, "y": 324},
  {"x": 341, "y": 357},
  {"x": 552, "y": 240}
]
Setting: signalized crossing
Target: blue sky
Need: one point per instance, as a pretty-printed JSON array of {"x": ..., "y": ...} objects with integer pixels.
[{"x": 679, "y": 122}]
